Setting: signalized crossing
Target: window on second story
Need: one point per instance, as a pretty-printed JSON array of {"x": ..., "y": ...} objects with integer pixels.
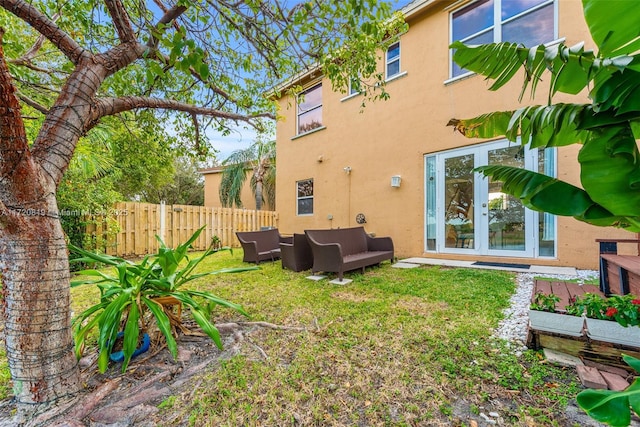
[
  {"x": 304, "y": 197},
  {"x": 393, "y": 60},
  {"x": 530, "y": 22},
  {"x": 354, "y": 86},
  {"x": 310, "y": 109}
]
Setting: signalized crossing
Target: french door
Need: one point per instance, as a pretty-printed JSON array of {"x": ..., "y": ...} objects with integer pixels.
[{"x": 467, "y": 213}]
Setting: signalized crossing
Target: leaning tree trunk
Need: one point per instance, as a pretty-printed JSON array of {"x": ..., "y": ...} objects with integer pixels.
[
  {"x": 35, "y": 268},
  {"x": 35, "y": 280}
]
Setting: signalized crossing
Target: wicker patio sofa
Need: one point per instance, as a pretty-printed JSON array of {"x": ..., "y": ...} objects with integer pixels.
[
  {"x": 344, "y": 249},
  {"x": 297, "y": 256},
  {"x": 261, "y": 245}
]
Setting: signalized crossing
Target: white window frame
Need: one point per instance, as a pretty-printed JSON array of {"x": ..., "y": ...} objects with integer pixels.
[
  {"x": 352, "y": 89},
  {"x": 498, "y": 23},
  {"x": 395, "y": 59},
  {"x": 319, "y": 106},
  {"x": 298, "y": 198}
]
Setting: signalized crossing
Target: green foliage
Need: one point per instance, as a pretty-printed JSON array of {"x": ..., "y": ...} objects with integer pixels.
[
  {"x": 87, "y": 192},
  {"x": 186, "y": 186},
  {"x": 588, "y": 304},
  {"x": 545, "y": 302},
  {"x": 126, "y": 158},
  {"x": 131, "y": 293},
  {"x": 607, "y": 128},
  {"x": 219, "y": 55},
  {"x": 624, "y": 309},
  {"x": 613, "y": 407}
]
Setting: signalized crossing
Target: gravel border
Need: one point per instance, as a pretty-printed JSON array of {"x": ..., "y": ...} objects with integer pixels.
[{"x": 513, "y": 327}]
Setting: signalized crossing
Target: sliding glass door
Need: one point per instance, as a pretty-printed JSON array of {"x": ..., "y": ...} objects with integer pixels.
[{"x": 469, "y": 214}]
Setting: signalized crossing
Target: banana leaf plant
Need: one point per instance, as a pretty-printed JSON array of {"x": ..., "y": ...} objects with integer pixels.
[
  {"x": 606, "y": 128},
  {"x": 133, "y": 290},
  {"x": 612, "y": 407}
]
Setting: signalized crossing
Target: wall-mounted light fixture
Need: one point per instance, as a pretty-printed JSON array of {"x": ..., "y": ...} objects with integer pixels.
[
  {"x": 395, "y": 181},
  {"x": 347, "y": 169}
]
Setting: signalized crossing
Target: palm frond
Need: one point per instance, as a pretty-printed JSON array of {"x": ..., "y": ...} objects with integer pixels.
[
  {"x": 545, "y": 194},
  {"x": 610, "y": 169},
  {"x": 572, "y": 67},
  {"x": 621, "y": 38},
  {"x": 538, "y": 125}
]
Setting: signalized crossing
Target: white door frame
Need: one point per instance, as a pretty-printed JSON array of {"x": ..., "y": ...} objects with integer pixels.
[{"x": 480, "y": 204}]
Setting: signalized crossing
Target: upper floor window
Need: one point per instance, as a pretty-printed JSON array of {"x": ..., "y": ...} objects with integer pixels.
[
  {"x": 393, "y": 60},
  {"x": 310, "y": 109},
  {"x": 354, "y": 86},
  {"x": 304, "y": 197},
  {"x": 530, "y": 22}
]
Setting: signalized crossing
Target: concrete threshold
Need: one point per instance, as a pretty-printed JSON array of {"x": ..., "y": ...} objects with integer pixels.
[{"x": 535, "y": 269}]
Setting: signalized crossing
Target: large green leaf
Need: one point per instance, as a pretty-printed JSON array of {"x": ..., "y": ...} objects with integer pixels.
[
  {"x": 610, "y": 169},
  {"x": 162, "y": 320},
  {"x": 539, "y": 126},
  {"x": 217, "y": 300},
  {"x": 488, "y": 125},
  {"x": 619, "y": 92},
  {"x": 131, "y": 335},
  {"x": 207, "y": 326},
  {"x": 110, "y": 320},
  {"x": 573, "y": 67},
  {"x": 546, "y": 194},
  {"x": 609, "y": 406},
  {"x": 613, "y": 25},
  {"x": 549, "y": 125},
  {"x": 632, "y": 361}
]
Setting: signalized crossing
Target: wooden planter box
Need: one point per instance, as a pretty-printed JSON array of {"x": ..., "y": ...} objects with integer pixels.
[
  {"x": 563, "y": 324},
  {"x": 604, "y": 341},
  {"x": 613, "y": 332}
]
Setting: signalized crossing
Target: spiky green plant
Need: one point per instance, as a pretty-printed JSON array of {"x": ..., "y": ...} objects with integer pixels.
[{"x": 129, "y": 294}]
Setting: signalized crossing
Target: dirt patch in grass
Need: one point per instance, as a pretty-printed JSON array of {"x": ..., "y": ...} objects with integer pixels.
[
  {"x": 420, "y": 306},
  {"x": 352, "y": 297}
]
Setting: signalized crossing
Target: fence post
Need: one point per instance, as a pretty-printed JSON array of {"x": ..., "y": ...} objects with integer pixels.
[{"x": 163, "y": 221}]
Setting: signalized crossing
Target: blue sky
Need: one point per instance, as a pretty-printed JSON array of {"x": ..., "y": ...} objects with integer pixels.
[{"x": 242, "y": 138}]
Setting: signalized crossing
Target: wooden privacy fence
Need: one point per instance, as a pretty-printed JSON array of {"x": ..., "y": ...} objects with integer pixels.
[{"x": 136, "y": 224}]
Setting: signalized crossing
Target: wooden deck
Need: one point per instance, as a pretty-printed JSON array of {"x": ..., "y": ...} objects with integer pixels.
[{"x": 564, "y": 290}]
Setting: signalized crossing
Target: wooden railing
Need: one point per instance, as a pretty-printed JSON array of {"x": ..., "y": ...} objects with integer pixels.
[{"x": 130, "y": 228}]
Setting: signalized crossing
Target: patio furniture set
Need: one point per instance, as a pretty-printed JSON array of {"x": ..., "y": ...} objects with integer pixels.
[{"x": 328, "y": 250}]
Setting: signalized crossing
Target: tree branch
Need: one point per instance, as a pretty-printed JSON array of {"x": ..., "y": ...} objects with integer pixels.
[
  {"x": 47, "y": 27},
  {"x": 170, "y": 16},
  {"x": 30, "y": 102},
  {"x": 12, "y": 136},
  {"x": 120, "y": 20},
  {"x": 27, "y": 58},
  {"x": 16, "y": 161},
  {"x": 111, "y": 106}
]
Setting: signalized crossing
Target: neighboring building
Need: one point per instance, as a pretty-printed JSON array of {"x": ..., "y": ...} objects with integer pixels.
[
  {"x": 397, "y": 166},
  {"x": 212, "y": 178}
]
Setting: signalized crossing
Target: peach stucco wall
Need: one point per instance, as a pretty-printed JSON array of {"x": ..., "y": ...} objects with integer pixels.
[{"x": 391, "y": 138}]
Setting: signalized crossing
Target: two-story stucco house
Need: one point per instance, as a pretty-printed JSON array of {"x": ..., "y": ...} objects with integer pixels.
[{"x": 397, "y": 166}]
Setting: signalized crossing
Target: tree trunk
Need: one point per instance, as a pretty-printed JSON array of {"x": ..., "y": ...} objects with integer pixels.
[
  {"x": 258, "y": 195},
  {"x": 35, "y": 280},
  {"x": 34, "y": 264}
]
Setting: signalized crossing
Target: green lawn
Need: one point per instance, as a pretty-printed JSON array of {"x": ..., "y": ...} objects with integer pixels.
[{"x": 394, "y": 347}]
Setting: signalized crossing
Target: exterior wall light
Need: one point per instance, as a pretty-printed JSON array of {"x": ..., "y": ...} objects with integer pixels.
[{"x": 395, "y": 181}]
